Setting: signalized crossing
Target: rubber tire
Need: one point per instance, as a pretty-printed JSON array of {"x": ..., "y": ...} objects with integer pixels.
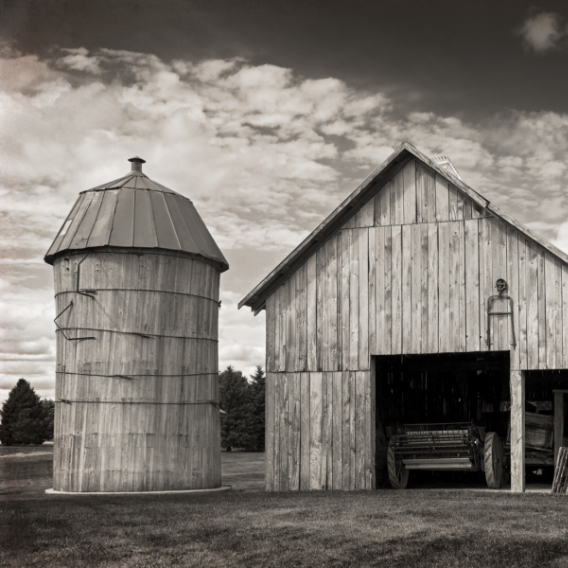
[
  {"x": 493, "y": 457},
  {"x": 398, "y": 474}
]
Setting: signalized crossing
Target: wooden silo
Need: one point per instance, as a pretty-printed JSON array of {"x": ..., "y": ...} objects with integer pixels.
[{"x": 137, "y": 297}]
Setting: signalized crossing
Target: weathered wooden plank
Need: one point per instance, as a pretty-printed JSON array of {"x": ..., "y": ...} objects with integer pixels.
[
  {"x": 419, "y": 191},
  {"x": 384, "y": 203},
  {"x": 486, "y": 283},
  {"x": 424, "y": 340},
  {"x": 363, "y": 331},
  {"x": 388, "y": 304},
  {"x": 444, "y": 284},
  {"x": 465, "y": 205},
  {"x": 352, "y": 430},
  {"x": 553, "y": 287},
  {"x": 517, "y": 431},
  {"x": 406, "y": 280},
  {"x": 354, "y": 301},
  {"x": 366, "y": 215},
  {"x": 361, "y": 435},
  {"x": 396, "y": 289},
  {"x": 370, "y": 404},
  {"x": 280, "y": 336},
  {"x": 426, "y": 193},
  {"x": 291, "y": 335},
  {"x": 270, "y": 332},
  {"x": 513, "y": 282},
  {"x": 442, "y": 199},
  {"x": 372, "y": 297},
  {"x": 305, "y": 431},
  {"x": 337, "y": 421},
  {"x": 294, "y": 435},
  {"x": 409, "y": 192},
  {"x": 285, "y": 420},
  {"x": 541, "y": 310},
  {"x": 321, "y": 354},
  {"x": 351, "y": 222},
  {"x": 471, "y": 237},
  {"x": 500, "y": 324},
  {"x": 458, "y": 258},
  {"x": 416, "y": 289},
  {"x": 379, "y": 301},
  {"x": 331, "y": 306},
  {"x": 311, "y": 315},
  {"x": 532, "y": 305},
  {"x": 277, "y": 474},
  {"x": 301, "y": 318},
  {"x": 396, "y": 202},
  {"x": 327, "y": 460},
  {"x": 432, "y": 340},
  {"x": 345, "y": 431},
  {"x": 344, "y": 268},
  {"x": 564, "y": 316},
  {"x": 522, "y": 303},
  {"x": 453, "y": 203},
  {"x": 316, "y": 430}
]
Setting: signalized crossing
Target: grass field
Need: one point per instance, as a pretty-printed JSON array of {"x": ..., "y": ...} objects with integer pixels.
[{"x": 247, "y": 527}]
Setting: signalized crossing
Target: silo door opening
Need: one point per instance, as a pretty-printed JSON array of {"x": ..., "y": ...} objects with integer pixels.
[{"x": 441, "y": 418}]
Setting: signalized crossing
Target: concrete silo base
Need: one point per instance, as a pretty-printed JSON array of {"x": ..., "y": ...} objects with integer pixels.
[{"x": 185, "y": 491}]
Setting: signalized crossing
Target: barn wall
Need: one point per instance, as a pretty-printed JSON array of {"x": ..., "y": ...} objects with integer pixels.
[
  {"x": 410, "y": 272},
  {"x": 319, "y": 431}
]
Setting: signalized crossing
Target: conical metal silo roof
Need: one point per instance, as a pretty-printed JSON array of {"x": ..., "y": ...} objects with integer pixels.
[{"x": 135, "y": 211}]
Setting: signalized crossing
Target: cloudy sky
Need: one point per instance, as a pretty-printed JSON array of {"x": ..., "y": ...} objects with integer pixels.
[{"x": 266, "y": 114}]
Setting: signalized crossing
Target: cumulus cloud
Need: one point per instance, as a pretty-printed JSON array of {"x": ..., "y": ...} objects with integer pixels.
[
  {"x": 263, "y": 153},
  {"x": 543, "y": 32}
]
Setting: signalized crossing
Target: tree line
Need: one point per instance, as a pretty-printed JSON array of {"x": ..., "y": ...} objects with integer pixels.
[
  {"x": 27, "y": 419},
  {"x": 243, "y": 402}
]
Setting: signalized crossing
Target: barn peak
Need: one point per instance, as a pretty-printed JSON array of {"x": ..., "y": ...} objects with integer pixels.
[{"x": 403, "y": 156}]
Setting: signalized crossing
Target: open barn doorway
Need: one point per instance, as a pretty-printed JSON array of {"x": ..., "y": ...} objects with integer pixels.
[
  {"x": 546, "y": 422},
  {"x": 437, "y": 412}
]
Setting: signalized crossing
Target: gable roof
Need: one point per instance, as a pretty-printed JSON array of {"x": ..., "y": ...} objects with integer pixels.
[
  {"x": 256, "y": 298},
  {"x": 135, "y": 211}
]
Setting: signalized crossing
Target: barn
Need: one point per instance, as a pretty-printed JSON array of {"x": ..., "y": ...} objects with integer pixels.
[{"x": 415, "y": 302}]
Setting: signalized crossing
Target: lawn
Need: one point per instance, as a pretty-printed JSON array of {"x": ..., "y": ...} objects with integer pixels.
[{"x": 247, "y": 527}]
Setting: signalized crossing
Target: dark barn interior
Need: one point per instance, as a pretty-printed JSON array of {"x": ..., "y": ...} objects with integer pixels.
[{"x": 460, "y": 388}]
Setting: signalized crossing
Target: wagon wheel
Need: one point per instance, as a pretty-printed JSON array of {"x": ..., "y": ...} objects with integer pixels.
[
  {"x": 494, "y": 460},
  {"x": 398, "y": 474}
]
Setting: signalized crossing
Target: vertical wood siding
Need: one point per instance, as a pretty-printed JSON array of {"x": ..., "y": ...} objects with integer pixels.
[
  {"x": 410, "y": 272},
  {"x": 126, "y": 412}
]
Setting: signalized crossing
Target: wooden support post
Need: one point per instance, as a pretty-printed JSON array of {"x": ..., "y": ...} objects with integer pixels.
[
  {"x": 517, "y": 431},
  {"x": 558, "y": 420}
]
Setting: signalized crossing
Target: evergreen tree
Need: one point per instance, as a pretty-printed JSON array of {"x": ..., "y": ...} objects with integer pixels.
[
  {"x": 235, "y": 400},
  {"x": 258, "y": 396},
  {"x": 24, "y": 419},
  {"x": 49, "y": 407}
]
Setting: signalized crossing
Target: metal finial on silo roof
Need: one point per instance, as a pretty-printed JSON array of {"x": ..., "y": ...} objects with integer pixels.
[{"x": 137, "y": 164}]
